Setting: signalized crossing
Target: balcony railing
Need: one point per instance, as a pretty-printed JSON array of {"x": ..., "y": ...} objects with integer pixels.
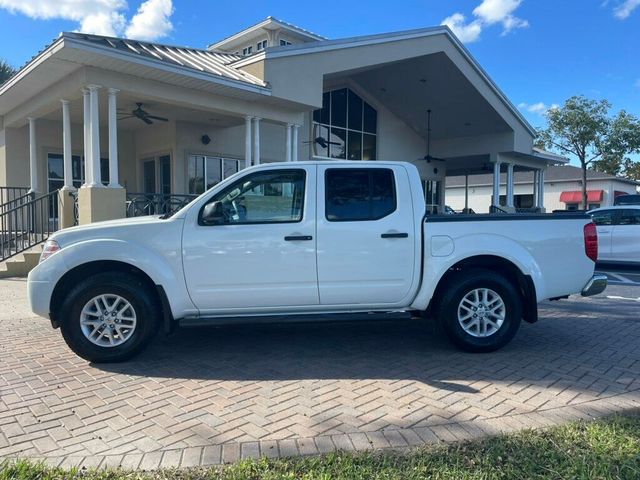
[
  {"x": 27, "y": 223},
  {"x": 142, "y": 204}
]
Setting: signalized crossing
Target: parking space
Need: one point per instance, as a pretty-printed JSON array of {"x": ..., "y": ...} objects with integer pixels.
[
  {"x": 204, "y": 396},
  {"x": 621, "y": 274}
]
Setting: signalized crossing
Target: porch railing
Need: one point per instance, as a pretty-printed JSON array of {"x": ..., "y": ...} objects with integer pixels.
[
  {"x": 27, "y": 224},
  {"x": 142, "y": 204},
  {"x": 9, "y": 194}
]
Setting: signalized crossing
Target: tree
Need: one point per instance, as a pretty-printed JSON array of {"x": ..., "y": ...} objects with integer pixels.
[
  {"x": 6, "y": 71},
  {"x": 583, "y": 128}
]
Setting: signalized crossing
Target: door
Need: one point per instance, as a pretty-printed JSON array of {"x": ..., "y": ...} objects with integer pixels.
[
  {"x": 366, "y": 235},
  {"x": 263, "y": 252},
  {"x": 625, "y": 237},
  {"x": 604, "y": 220}
]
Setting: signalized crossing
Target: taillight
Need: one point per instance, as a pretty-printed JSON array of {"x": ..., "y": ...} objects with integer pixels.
[{"x": 591, "y": 241}]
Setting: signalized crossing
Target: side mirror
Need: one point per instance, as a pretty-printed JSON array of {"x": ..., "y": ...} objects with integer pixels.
[{"x": 213, "y": 214}]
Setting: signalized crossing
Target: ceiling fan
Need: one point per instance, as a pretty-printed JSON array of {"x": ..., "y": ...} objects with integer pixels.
[
  {"x": 143, "y": 115},
  {"x": 428, "y": 157}
]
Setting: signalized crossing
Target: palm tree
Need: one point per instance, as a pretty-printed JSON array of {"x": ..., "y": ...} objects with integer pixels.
[{"x": 6, "y": 71}]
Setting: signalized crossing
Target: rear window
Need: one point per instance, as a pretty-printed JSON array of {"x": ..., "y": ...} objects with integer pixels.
[{"x": 359, "y": 194}]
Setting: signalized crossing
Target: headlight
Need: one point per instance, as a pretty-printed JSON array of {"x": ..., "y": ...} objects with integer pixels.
[{"x": 50, "y": 247}]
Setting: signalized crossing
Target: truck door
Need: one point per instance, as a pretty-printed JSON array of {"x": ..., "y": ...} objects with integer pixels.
[
  {"x": 263, "y": 253},
  {"x": 366, "y": 235},
  {"x": 604, "y": 220},
  {"x": 625, "y": 237}
]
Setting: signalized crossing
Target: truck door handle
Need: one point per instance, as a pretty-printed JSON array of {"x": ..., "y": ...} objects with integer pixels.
[
  {"x": 394, "y": 235},
  {"x": 297, "y": 238}
]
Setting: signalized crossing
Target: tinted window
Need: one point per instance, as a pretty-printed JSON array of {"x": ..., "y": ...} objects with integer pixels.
[
  {"x": 630, "y": 217},
  {"x": 275, "y": 196},
  {"x": 359, "y": 194},
  {"x": 605, "y": 217},
  {"x": 627, "y": 200}
]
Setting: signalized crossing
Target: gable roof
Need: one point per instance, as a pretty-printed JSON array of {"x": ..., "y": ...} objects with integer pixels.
[
  {"x": 265, "y": 23},
  {"x": 564, "y": 173}
]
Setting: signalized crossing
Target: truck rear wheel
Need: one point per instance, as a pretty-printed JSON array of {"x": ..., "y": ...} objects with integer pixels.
[
  {"x": 480, "y": 310},
  {"x": 110, "y": 317}
]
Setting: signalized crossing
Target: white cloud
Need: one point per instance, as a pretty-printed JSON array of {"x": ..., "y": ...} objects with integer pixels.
[
  {"x": 539, "y": 108},
  {"x": 466, "y": 32},
  {"x": 101, "y": 17},
  {"x": 626, "y": 8},
  {"x": 153, "y": 20},
  {"x": 488, "y": 13}
]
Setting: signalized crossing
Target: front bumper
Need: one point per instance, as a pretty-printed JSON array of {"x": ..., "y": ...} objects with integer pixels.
[{"x": 596, "y": 285}]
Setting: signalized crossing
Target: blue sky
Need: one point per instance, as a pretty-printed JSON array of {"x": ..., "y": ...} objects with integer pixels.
[{"x": 539, "y": 52}]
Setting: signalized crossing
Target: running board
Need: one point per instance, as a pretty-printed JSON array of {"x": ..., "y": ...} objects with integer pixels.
[{"x": 297, "y": 318}]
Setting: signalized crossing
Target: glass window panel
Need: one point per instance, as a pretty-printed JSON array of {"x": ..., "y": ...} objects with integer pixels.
[
  {"x": 630, "y": 217},
  {"x": 338, "y": 143},
  {"x": 326, "y": 108},
  {"x": 213, "y": 171},
  {"x": 347, "y": 195},
  {"x": 339, "y": 108},
  {"x": 368, "y": 147},
  {"x": 229, "y": 167},
  {"x": 149, "y": 176},
  {"x": 55, "y": 166},
  {"x": 383, "y": 193},
  {"x": 196, "y": 174},
  {"x": 321, "y": 141},
  {"x": 354, "y": 145},
  {"x": 165, "y": 174},
  {"x": 355, "y": 111},
  {"x": 258, "y": 198},
  {"x": 77, "y": 168},
  {"x": 604, "y": 217},
  {"x": 370, "y": 118}
]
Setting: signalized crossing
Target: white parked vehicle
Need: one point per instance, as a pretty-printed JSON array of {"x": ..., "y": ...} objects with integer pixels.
[
  {"x": 309, "y": 241},
  {"x": 618, "y": 233}
]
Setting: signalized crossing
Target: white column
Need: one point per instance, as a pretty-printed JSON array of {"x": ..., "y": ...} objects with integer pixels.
[
  {"x": 294, "y": 153},
  {"x": 256, "y": 140},
  {"x": 496, "y": 184},
  {"x": 114, "y": 181},
  {"x": 541, "y": 189},
  {"x": 66, "y": 146},
  {"x": 95, "y": 136},
  {"x": 86, "y": 116},
  {"x": 247, "y": 141},
  {"x": 288, "y": 151},
  {"x": 510, "y": 199},
  {"x": 33, "y": 157}
]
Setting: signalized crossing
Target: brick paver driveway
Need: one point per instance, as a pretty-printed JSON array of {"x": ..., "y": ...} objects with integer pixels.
[{"x": 204, "y": 396}]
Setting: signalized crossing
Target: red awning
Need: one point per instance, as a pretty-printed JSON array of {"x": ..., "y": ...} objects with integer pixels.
[{"x": 593, "y": 196}]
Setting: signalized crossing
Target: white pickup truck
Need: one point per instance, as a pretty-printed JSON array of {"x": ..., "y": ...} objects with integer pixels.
[{"x": 309, "y": 241}]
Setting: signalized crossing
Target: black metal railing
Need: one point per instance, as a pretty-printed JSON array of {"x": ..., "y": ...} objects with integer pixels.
[
  {"x": 142, "y": 204},
  {"x": 496, "y": 209},
  {"x": 9, "y": 194},
  {"x": 25, "y": 225}
]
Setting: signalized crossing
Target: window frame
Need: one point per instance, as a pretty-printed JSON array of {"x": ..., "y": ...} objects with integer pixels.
[
  {"x": 369, "y": 171},
  {"x": 245, "y": 178},
  {"x": 205, "y": 156},
  {"x": 317, "y": 126}
]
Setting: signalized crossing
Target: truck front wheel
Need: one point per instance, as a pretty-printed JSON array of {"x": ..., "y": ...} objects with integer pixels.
[
  {"x": 109, "y": 317},
  {"x": 480, "y": 310}
]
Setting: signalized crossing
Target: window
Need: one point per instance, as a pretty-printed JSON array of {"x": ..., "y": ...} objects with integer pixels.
[
  {"x": 284, "y": 43},
  {"x": 205, "y": 172},
  {"x": 630, "y": 217},
  {"x": 573, "y": 206},
  {"x": 275, "y": 196},
  {"x": 432, "y": 192},
  {"x": 354, "y": 194},
  {"x": 247, "y": 50},
  {"x": 55, "y": 171},
  {"x": 593, "y": 206},
  {"x": 345, "y": 127},
  {"x": 261, "y": 45},
  {"x": 604, "y": 217}
]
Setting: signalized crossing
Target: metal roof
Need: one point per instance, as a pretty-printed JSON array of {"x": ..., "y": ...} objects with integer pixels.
[{"x": 204, "y": 61}]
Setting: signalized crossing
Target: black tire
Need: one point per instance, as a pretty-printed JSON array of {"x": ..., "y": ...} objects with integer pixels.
[
  {"x": 465, "y": 282},
  {"x": 130, "y": 288}
]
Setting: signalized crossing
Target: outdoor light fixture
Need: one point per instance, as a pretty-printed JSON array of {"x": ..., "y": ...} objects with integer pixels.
[{"x": 205, "y": 139}]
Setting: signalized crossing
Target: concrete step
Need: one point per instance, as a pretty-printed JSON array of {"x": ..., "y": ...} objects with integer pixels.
[{"x": 21, "y": 264}]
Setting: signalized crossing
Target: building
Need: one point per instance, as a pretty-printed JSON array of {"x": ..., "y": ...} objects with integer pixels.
[
  {"x": 562, "y": 189},
  {"x": 119, "y": 126}
]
